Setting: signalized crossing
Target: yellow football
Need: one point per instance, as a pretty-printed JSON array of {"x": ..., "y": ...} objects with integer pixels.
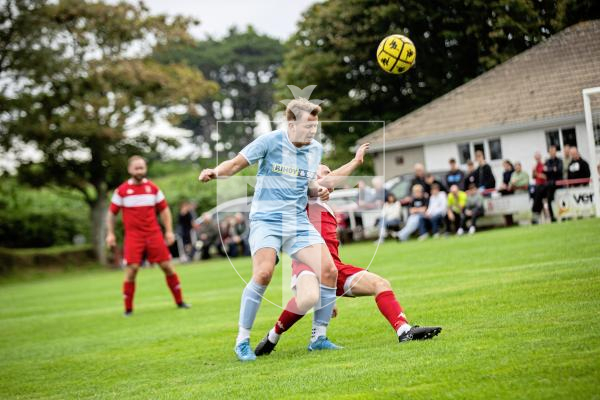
[{"x": 396, "y": 54}]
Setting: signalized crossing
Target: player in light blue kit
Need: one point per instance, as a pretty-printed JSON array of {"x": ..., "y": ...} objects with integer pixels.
[{"x": 287, "y": 171}]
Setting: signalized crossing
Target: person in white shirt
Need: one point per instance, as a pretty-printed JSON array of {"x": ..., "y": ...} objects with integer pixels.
[
  {"x": 390, "y": 216},
  {"x": 436, "y": 211}
]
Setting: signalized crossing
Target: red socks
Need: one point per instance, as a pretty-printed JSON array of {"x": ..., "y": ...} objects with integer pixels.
[
  {"x": 173, "y": 283},
  {"x": 128, "y": 291},
  {"x": 391, "y": 309},
  {"x": 288, "y": 317}
]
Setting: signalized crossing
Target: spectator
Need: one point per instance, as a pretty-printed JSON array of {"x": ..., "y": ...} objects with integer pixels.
[
  {"x": 455, "y": 176},
  {"x": 390, "y": 216},
  {"x": 419, "y": 178},
  {"x": 241, "y": 233},
  {"x": 457, "y": 200},
  {"x": 566, "y": 160},
  {"x": 417, "y": 208},
  {"x": 539, "y": 192},
  {"x": 472, "y": 175},
  {"x": 430, "y": 180},
  {"x": 208, "y": 234},
  {"x": 578, "y": 168},
  {"x": 553, "y": 168},
  {"x": 186, "y": 223},
  {"x": 485, "y": 175},
  {"x": 379, "y": 190},
  {"x": 508, "y": 171},
  {"x": 436, "y": 211},
  {"x": 519, "y": 180},
  {"x": 473, "y": 209}
]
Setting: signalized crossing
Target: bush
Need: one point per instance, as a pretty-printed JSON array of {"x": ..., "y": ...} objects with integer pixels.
[
  {"x": 48, "y": 257},
  {"x": 38, "y": 229}
]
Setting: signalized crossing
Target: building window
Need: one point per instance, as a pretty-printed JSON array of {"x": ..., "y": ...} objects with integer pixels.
[
  {"x": 553, "y": 139},
  {"x": 495, "y": 149},
  {"x": 479, "y": 146},
  {"x": 399, "y": 160},
  {"x": 569, "y": 137},
  {"x": 561, "y": 137},
  {"x": 464, "y": 153},
  {"x": 491, "y": 149}
]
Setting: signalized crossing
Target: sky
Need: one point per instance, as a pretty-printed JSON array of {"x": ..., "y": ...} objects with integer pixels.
[{"x": 276, "y": 18}]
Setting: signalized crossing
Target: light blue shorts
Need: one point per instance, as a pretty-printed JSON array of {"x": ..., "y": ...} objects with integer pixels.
[{"x": 288, "y": 236}]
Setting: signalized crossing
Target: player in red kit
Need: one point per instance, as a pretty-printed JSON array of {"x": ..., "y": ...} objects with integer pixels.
[
  {"x": 351, "y": 281},
  {"x": 140, "y": 199}
]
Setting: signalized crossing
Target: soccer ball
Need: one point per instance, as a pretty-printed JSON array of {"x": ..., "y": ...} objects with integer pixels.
[{"x": 396, "y": 54}]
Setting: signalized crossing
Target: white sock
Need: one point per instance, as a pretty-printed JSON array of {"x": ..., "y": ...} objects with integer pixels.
[
  {"x": 273, "y": 336},
  {"x": 243, "y": 334},
  {"x": 317, "y": 331},
  {"x": 403, "y": 329}
]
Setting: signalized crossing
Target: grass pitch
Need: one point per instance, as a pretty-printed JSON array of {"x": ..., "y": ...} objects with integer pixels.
[{"x": 520, "y": 309}]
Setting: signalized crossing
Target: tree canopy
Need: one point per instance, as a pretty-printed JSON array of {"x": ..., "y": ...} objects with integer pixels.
[
  {"x": 456, "y": 40},
  {"x": 244, "y": 64},
  {"x": 74, "y": 76}
]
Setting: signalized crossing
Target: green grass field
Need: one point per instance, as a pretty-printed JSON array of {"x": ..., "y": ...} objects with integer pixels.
[{"x": 520, "y": 309}]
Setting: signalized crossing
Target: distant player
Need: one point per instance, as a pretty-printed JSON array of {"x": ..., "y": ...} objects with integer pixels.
[
  {"x": 287, "y": 171},
  {"x": 140, "y": 199},
  {"x": 351, "y": 281}
]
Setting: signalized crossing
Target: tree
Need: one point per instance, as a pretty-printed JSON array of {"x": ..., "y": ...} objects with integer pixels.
[
  {"x": 75, "y": 75},
  {"x": 244, "y": 64},
  {"x": 456, "y": 40}
]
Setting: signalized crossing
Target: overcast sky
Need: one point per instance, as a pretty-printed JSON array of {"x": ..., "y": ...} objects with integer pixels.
[{"x": 277, "y": 18}]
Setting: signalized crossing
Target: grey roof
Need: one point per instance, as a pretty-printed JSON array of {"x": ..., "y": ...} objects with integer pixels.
[{"x": 542, "y": 83}]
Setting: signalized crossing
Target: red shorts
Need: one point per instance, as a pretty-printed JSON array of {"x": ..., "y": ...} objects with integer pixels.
[
  {"x": 150, "y": 247},
  {"x": 345, "y": 271}
]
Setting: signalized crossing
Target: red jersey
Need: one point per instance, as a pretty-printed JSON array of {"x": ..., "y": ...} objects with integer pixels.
[
  {"x": 538, "y": 172},
  {"x": 139, "y": 202}
]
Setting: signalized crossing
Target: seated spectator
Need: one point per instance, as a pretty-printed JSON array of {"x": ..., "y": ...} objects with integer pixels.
[
  {"x": 417, "y": 208},
  {"x": 430, "y": 180},
  {"x": 455, "y": 176},
  {"x": 419, "y": 178},
  {"x": 508, "y": 171},
  {"x": 519, "y": 180},
  {"x": 472, "y": 176},
  {"x": 436, "y": 211},
  {"x": 578, "y": 167},
  {"x": 473, "y": 210},
  {"x": 457, "y": 200},
  {"x": 208, "y": 235},
  {"x": 390, "y": 216},
  {"x": 485, "y": 176}
]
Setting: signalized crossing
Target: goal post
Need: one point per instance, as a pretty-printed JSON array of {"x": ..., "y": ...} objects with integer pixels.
[{"x": 591, "y": 108}]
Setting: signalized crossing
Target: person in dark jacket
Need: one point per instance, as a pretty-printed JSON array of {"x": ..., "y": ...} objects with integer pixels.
[
  {"x": 472, "y": 177},
  {"x": 553, "y": 168},
  {"x": 455, "y": 176},
  {"x": 484, "y": 171},
  {"x": 578, "y": 168},
  {"x": 420, "y": 178}
]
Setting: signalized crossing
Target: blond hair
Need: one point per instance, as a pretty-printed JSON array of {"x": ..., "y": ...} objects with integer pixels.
[{"x": 295, "y": 108}]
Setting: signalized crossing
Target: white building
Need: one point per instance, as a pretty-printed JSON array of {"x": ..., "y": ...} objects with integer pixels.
[{"x": 511, "y": 111}]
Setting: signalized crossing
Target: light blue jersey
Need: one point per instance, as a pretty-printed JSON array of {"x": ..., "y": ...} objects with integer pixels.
[{"x": 284, "y": 171}]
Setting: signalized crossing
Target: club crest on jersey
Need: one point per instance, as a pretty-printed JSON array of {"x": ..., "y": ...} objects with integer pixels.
[
  {"x": 129, "y": 191},
  {"x": 148, "y": 189},
  {"x": 293, "y": 171}
]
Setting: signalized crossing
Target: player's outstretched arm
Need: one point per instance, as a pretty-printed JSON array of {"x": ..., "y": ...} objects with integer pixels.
[
  {"x": 225, "y": 169},
  {"x": 342, "y": 173}
]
